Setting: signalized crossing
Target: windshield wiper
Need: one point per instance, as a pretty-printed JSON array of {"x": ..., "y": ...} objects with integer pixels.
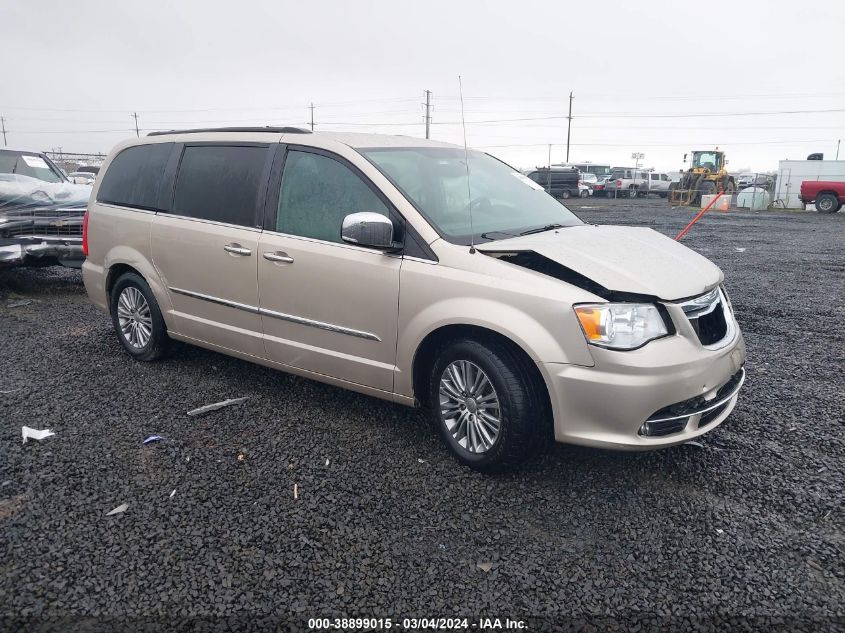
[
  {"x": 487, "y": 235},
  {"x": 540, "y": 229}
]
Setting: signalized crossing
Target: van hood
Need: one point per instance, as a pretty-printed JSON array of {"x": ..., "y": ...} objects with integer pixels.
[{"x": 621, "y": 259}]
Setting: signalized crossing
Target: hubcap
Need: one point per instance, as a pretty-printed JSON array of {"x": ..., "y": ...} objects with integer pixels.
[
  {"x": 469, "y": 406},
  {"x": 134, "y": 318}
]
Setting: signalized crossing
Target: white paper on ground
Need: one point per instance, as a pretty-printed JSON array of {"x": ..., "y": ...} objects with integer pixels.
[
  {"x": 34, "y": 434},
  {"x": 121, "y": 508}
]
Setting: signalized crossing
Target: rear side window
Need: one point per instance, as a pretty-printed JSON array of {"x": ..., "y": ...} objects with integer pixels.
[
  {"x": 134, "y": 176},
  {"x": 220, "y": 183},
  {"x": 317, "y": 193}
]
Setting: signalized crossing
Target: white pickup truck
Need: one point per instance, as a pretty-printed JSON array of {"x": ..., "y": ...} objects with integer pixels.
[{"x": 632, "y": 183}]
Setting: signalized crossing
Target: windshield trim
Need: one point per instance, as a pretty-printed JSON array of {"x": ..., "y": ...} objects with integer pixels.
[{"x": 463, "y": 240}]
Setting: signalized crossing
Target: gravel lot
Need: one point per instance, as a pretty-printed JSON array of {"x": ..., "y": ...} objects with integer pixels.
[{"x": 745, "y": 533}]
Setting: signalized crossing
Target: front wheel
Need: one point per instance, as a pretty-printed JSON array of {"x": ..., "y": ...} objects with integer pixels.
[
  {"x": 827, "y": 203},
  {"x": 632, "y": 192},
  {"x": 564, "y": 194},
  {"x": 137, "y": 318},
  {"x": 585, "y": 193},
  {"x": 486, "y": 405}
]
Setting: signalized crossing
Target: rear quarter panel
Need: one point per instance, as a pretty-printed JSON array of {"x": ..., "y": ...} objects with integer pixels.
[{"x": 118, "y": 235}]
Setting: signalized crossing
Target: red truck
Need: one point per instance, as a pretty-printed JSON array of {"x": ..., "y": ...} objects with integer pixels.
[{"x": 828, "y": 196}]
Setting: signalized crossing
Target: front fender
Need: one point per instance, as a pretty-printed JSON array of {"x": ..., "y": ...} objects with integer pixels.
[{"x": 542, "y": 325}]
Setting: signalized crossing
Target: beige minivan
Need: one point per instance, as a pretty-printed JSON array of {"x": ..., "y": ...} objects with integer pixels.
[{"x": 415, "y": 271}]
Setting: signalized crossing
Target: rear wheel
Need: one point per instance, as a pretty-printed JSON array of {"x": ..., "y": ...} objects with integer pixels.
[
  {"x": 632, "y": 192},
  {"x": 137, "y": 318},
  {"x": 565, "y": 194},
  {"x": 486, "y": 405},
  {"x": 585, "y": 193},
  {"x": 827, "y": 203}
]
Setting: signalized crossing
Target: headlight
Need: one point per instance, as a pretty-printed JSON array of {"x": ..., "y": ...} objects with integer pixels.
[{"x": 620, "y": 325}]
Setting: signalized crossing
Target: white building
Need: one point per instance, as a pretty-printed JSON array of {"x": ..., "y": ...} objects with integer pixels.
[{"x": 791, "y": 173}]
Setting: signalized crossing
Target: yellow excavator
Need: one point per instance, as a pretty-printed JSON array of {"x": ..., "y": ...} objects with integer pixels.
[{"x": 706, "y": 175}]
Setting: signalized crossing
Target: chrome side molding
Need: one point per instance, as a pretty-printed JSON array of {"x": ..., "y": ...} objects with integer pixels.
[{"x": 322, "y": 325}]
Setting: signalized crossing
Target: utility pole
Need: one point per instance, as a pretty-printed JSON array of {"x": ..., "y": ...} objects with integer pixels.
[
  {"x": 568, "y": 126},
  {"x": 312, "y": 116},
  {"x": 137, "y": 131},
  {"x": 837, "y": 144},
  {"x": 3, "y": 125},
  {"x": 549, "y": 175},
  {"x": 427, "y": 113}
]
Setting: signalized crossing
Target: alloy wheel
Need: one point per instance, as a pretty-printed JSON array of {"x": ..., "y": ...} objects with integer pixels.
[
  {"x": 469, "y": 406},
  {"x": 134, "y": 317}
]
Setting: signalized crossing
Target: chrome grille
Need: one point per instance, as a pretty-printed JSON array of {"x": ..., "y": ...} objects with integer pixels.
[{"x": 711, "y": 319}]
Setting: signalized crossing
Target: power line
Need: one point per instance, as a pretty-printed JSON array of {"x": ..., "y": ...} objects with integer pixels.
[{"x": 684, "y": 144}]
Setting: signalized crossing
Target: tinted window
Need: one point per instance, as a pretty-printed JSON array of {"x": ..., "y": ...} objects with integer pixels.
[
  {"x": 317, "y": 193},
  {"x": 134, "y": 176},
  {"x": 220, "y": 183},
  {"x": 655, "y": 176}
]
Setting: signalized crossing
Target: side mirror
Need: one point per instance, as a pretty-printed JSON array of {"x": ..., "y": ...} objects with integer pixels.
[
  {"x": 368, "y": 229},
  {"x": 685, "y": 158}
]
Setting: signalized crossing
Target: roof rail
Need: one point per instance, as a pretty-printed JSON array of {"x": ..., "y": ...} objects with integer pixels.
[{"x": 277, "y": 130}]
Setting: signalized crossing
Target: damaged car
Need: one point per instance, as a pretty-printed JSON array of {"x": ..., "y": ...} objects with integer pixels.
[
  {"x": 419, "y": 272},
  {"x": 41, "y": 212}
]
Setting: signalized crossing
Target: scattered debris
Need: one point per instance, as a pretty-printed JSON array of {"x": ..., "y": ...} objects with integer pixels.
[
  {"x": 327, "y": 461},
  {"x": 824, "y": 518},
  {"x": 172, "y": 493},
  {"x": 18, "y": 304},
  {"x": 740, "y": 250},
  {"x": 420, "y": 460},
  {"x": 339, "y": 590},
  {"x": 814, "y": 565},
  {"x": 5, "y": 391},
  {"x": 119, "y": 509},
  {"x": 152, "y": 438},
  {"x": 719, "y": 531},
  {"x": 295, "y": 492},
  {"x": 241, "y": 455},
  {"x": 34, "y": 434},
  {"x": 443, "y": 547},
  {"x": 485, "y": 567},
  {"x": 8, "y": 482},
  {"x": 694, "y": 443},
  {"x": 216, "y": 405}
]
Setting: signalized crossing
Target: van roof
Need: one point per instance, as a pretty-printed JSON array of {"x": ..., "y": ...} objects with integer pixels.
[{"x": 352, "y": 139}]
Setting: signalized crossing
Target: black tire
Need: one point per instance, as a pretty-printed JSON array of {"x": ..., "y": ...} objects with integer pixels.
[
  {"x": 564, "y": 194},
  {"x": 705, "y": 188},
  {"x": 827, "y": 203},
  {"x": 525, "y": 419},
  {"x": 585, "y": 194},
  {"x": 159, "y": 343},
  {"x": 633, "y": 192}
]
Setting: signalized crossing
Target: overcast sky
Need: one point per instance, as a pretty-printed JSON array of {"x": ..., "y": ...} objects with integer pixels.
[{"x": 74, "y": 71}]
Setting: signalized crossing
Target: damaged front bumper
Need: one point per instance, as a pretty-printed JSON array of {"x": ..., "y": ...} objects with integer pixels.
[
  {"x": 41, "y": 250},
  {"x": 35, "y": 235},
  {"x": 666, "y": 393}
]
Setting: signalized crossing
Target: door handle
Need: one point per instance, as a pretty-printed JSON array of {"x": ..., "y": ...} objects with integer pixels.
[
  {"x": 236, "y": 249},
  {"x": 279, "y": 256}
]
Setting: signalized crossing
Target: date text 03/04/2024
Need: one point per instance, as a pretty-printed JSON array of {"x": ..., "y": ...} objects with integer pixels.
[{"x": 417, "y": 624}]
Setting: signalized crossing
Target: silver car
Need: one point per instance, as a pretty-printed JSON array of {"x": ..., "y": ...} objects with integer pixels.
[{"x": 418, "y": 272}]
